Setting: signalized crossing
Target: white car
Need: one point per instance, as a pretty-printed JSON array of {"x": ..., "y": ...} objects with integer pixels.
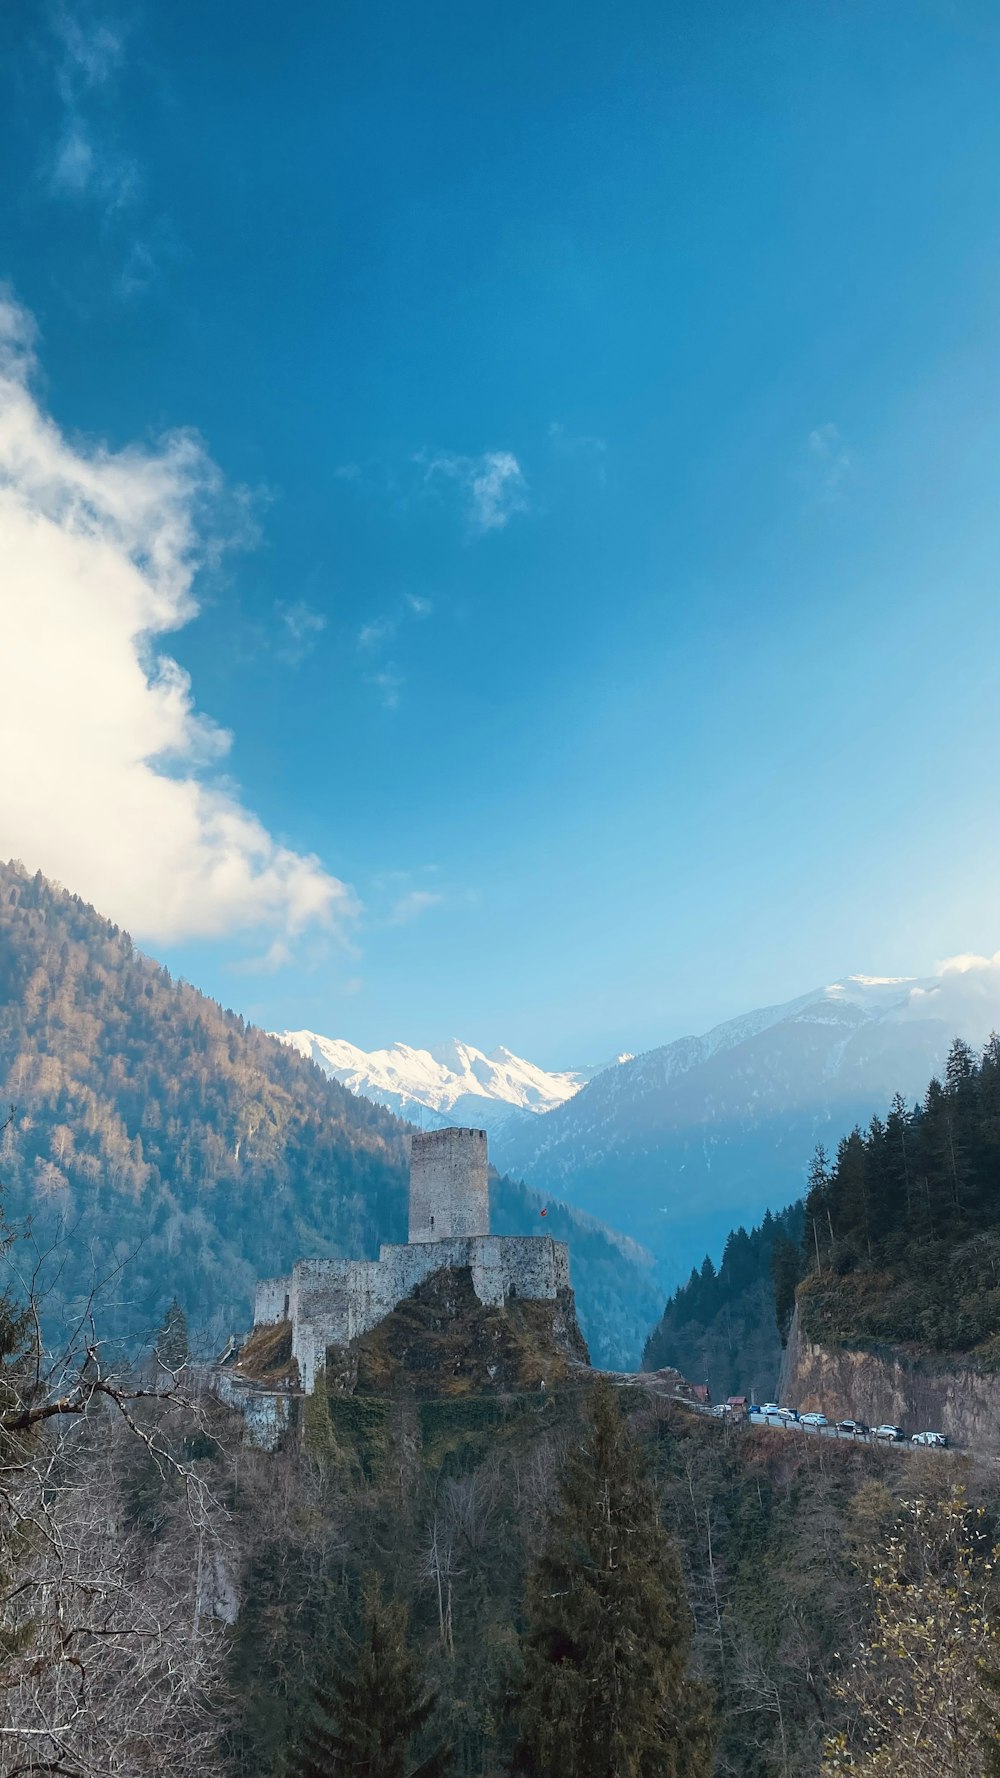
[
  {"x": 770, "y": 1407},
  {"x": 893, "y": 1434},
  {"x": 929, "y": 1438},
  {"x": 814, "y": 1420}
]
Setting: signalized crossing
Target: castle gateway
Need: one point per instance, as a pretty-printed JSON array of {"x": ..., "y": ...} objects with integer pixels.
[{"x": 331, "y": 1302}]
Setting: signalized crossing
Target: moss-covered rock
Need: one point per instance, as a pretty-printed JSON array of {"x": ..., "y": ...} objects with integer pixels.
[
  {"x": 266, "y": 1357},
  {"x": 443, "y": 1342}
]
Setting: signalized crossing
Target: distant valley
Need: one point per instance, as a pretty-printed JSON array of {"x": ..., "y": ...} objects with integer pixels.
[{"x": 677, "y": 1146}]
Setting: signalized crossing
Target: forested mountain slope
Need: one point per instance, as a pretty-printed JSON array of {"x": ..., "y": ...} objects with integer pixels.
[
  {"x": 154, "y": 1127},
  {"x": 902, "y": 1237},
  {"x": 721, "y": 1327},
  {"x": 687, "y": 1141}
]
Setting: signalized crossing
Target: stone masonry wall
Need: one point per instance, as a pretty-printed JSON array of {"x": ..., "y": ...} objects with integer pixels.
[
  {"x": 272, "y": 1301},
  {"x": 334, "y": 1301},
  {"x": 449, "y": 1185},
  {"x": 331, "y": 1302}
]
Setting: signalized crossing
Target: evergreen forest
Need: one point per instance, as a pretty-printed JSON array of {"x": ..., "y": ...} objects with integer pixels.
[
  {"x": 720, "y": 1327},
  {"x": 902, "y": 1229}
]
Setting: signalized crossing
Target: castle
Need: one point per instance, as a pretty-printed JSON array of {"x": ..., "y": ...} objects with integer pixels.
[{"x": 331, "y": 1302}]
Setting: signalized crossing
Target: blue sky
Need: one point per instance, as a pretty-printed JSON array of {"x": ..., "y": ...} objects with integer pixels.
[{"x": 604, "y": 403}]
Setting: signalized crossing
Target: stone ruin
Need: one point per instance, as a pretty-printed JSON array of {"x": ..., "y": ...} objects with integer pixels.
[{"x": 330, "y": 1302}]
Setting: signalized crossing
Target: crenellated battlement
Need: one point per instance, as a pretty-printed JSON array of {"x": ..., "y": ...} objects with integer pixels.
[
  {"x": 449, "y": 1184},
  {"x": 331, "y": 1302}
]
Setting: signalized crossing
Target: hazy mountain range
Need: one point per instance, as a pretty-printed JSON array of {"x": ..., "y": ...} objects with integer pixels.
[
  {"x": 181, "y": 1152},
  {"x": 680, "y": 1144}
]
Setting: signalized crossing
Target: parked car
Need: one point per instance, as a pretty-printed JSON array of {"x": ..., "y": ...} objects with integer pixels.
[
  {"x": 755, "y": 1408},
  {"x": 856, "y": 1428},
  {"x": 929, "y": 1438},
  {"x": 814, "y": 1420},
  {"x": 788, "y": 1413},
  {"x": 894, "y": 1433},
  {"x": 771, "y": 1407}
]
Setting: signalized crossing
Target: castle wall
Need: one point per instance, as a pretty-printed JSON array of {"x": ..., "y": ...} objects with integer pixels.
[
  {"x": 331, "y": 1302},
  {"x": 449, "y": 1185},
  {"x": 334, "y": 1301},
  {"x": 272, "y": 1301}
]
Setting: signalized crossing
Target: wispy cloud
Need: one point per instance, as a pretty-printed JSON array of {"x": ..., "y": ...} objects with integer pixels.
[
  {"x": 379, "y": 631},
  {"x": 377, "y": 634},
  {"x": 301, "y": 628},
  {"x": 409, "y": 907},
  {"x": 94, "y": 49},
  {"x": 586, "y": 447},
  {"x": 830, "y": 459},
  {"x": 279, "y": 955},
  {"x": 388, "y": 683},
  {"x": 493, "y": 485},
  {"x": 87, "y": 162}
]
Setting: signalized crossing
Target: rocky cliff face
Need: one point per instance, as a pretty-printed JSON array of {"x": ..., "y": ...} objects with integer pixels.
[{"x": 887, "y": 1383}]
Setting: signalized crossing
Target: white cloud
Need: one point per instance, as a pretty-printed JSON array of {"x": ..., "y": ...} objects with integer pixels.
[
  {"x": 100, "y": 739},
  {"x": 409, "y": 907},
  {"x": 419, "y": 607},
  {"x": 830, "y": 458},
  {"x": 493, "y": 485},
  {"x": 87, "y": 162},
  {"x": 379, "y": 630},
  {"x": 74, "y": 161},
  {"x": 966, "y": 996},
  {"x": 92, "y": 54},
  {"x": 301, "y": 628},
  {"x": 388, "y": 683}
]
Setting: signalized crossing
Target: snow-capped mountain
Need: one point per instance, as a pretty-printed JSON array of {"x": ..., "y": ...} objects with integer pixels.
[
  {"x": 451, "y": 1083},
  {"x": 680, "y": 1144}
]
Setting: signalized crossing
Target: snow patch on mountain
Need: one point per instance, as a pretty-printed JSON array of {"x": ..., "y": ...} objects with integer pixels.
[
  {"x": 685, "y": 1141},
  {"x": 450, "y": 1083}
]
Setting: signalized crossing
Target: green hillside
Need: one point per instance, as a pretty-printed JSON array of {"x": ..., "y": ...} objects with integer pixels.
[
  {"x": 157, "y": 1129},
  {"x": 720, "y": 1327}
]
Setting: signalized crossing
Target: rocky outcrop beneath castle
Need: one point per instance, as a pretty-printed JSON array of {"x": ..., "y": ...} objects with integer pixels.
[
  {"x": 889, "y": 1384},
  {"x": 268, "y": 1411},
  {"x": 332, "y": 1302},
  {"x": 443, "y": 1340}
]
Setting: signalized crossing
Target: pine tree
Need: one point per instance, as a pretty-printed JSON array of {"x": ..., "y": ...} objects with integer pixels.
[
  {"x": 172, "y": 1339},
  {"x": 606, "y": 1692},
  {"x": 786, "y": 1271},
  {"x": 372, "y": 1707},
  {"x": 817, "y": 1235}
]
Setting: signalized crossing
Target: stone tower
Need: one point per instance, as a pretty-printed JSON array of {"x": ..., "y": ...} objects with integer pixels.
[{"x": 449, "y": 1186}]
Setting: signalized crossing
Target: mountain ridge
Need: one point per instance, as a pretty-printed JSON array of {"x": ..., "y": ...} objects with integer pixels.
[
  {"x": 451, "y": 1082},
  {"x": 710, "y": 1131},
  {"x": 185, "y": 1152}
]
